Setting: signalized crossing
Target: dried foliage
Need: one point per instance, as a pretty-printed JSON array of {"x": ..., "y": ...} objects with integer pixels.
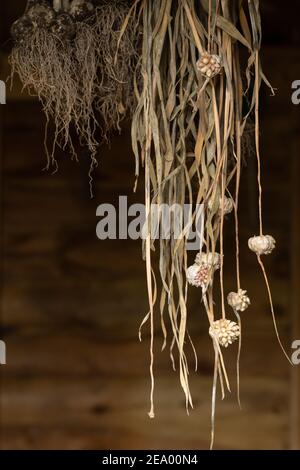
[{"x": 200, "y": 65}]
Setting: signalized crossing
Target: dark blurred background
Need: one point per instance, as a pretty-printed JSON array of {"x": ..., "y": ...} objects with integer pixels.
[{"x": 76, "y": 375}]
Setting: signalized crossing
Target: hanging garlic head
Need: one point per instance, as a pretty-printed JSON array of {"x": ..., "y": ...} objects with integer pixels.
[
  {"x": 226, "y": 204},
  {"x": 81, "y": 9},
  {"x": 212, "y": 260},
  {"x": 262, "y": 245},
  {"x": 201, "y": 273},
  {"x": 238, "y": 300},
  {"x": 21, "y": 29},
  {"x": 198, "y": 276},
  {"x": 224, "y": 331},
  {"x": 209, "y": 65},
  {"x": 41, "y": 14},
  {"x": 64, "y": 27}
]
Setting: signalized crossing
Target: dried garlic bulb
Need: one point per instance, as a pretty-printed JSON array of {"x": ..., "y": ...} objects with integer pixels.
[
  {"x": 212, "y": 260},
  {"x": 81, "y": 9},
  {"x": 38, "y": 15},
  {"x": 224, "y": 331},
  {"x": 41, "y": 14},
  {"x": 64, "y": 26},
  {"x": 238, "y": 300},
  {"x": 227, "y": 204},
  {"x": 209, "y": 64},
  {"x": 262, "y": 245},
  {"x": 21, "y": 29},
  {"x": 198, "y": 276}
]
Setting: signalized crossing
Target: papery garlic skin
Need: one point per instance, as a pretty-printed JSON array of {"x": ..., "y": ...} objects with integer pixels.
[
  {"x": 201, "y": 273},
  {"x": 225, "y": 205},
  {"x": 41, "y": 14},
  {"x": 212, "y": 260},
  {"x": 198, "y": 276},
  {"x": 224, "y": 331},
  {"x": 262, "y": 245},
  {"x": 239, "y": 301},
  {"x": 209, "y": 65},
  {"x": 80, "y": 9}
]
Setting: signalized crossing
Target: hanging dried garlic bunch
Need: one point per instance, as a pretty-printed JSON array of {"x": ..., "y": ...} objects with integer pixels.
[
  {"x": 187, "y": 131},
  {"x": 188, "y": 122},
  {"x": 65, "y": 52}
]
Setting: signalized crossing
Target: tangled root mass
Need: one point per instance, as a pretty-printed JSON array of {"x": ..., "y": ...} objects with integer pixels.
[{"x": 68, "y": 60}]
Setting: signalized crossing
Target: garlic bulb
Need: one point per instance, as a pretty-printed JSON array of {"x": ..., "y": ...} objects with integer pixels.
[
  {"x": 21, "y": 29},
  {"x": 227, "y": 205},
  {"x": 262, "y": 245},
  {"x": 238, "y": 300},
  {"x": 81, "y": 9},
  {"x": 211, "y": 260},
  {"x": 38, "y": 15},
  {"x": 224, "y": 331},
  {"x": 64, "y": 26},
  {"x": 209, "y": 64},
  {"x": 41, "y": 14},
  {"x": 198, "y": 276}
]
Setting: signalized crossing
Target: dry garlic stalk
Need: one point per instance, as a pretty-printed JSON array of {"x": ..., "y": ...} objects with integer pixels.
[
  {"x": 200, "y": 274},
  {"x": 209, "y": 64},
  {"x": 224, "y": 331},
  {"x": 227, "y": 204},
  {"x": 262, "y": 245},
  {"x": 238, "y": 300}
]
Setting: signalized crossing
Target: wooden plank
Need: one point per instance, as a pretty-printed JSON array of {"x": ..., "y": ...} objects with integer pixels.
[
  {"x": 16, "y": 92},
  {"x": 115, "y": 408},
  {"x": 79, "y": 350},
  {"x": 295, "y": 280},
  {"x": 77, "y": 377}
]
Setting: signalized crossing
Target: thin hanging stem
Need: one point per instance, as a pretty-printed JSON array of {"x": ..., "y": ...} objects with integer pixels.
[
  {"x": 238, "y": 358},
  {"x": 257, "y": 86},
  {"x": 214, "y": 396},
  {"x": 209, "y": 26},
  {"x": 150, "y": 294},
  {"x": 236, "y": 206},
  {"x": 272, "y": 309},
  {"x": 222, "y": 246}
]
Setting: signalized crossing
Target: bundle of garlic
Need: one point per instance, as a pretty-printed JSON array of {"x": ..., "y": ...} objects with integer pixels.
[
  {"x": 187, "y": 132},
  {"x": 182, "y": 62},
  {"x": 68, "y": 53}
]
